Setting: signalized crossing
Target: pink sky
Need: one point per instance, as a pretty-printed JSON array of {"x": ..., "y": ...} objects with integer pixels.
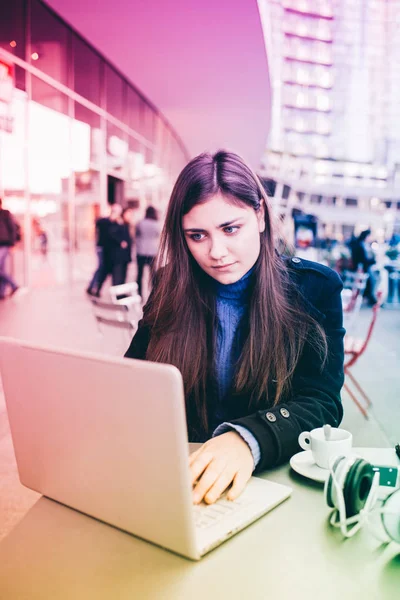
[{"x": 202, "y": 63}]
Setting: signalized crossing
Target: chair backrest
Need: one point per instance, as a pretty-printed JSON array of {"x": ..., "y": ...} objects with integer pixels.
[
  {"x": 127, "y": 294},
  {"x": 353, "y": 290},
  {"x": 125, "y": 289},
  {"x": 112, "y": 319},
  {"x": 375, "y": 310},
  {"x": 120, "y": 311},
  {"x": 374, "y": 315},
  {"x": 115, "y": 323},
  {"x": 355, "y": 280}
]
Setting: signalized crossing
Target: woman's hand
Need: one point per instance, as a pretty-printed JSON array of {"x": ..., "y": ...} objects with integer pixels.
[{"x": 219, "y": 462}]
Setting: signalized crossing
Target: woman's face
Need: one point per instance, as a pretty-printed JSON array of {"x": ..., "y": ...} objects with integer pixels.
[{"x": 224, "y": 238}]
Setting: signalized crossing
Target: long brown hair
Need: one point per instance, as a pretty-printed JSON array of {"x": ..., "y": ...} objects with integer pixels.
[{"x": 181, "y": 310}]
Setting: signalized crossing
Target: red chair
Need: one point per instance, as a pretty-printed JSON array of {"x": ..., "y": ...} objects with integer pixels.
[
  {"x": 352, "y": 296},
  {"x": 353, "y": 349}
]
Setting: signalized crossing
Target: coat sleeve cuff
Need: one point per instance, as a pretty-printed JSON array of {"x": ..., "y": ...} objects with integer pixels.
[
  {"x": 267, "y": 439},
  {"x": 246, "y": 435}
]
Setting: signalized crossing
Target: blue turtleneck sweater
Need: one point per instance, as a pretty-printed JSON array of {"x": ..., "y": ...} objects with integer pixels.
[{"x": 232, "y": 302}]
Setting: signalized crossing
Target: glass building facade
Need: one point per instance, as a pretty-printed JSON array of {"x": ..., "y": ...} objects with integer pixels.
[{"x": 75, "y": 137}]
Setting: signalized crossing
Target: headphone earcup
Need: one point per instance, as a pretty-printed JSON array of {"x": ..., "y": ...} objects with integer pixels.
[
  {"x": 356, "y": 486},
  {"x": 330, "y": 493},
  {"x": 391, "y": 516}
]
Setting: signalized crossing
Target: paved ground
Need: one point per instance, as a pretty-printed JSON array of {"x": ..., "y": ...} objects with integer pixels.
[{"x": 63, "y": 317}]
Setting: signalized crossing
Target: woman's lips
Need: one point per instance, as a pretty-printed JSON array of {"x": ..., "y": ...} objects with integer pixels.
[{"x": 223, "y": 267}]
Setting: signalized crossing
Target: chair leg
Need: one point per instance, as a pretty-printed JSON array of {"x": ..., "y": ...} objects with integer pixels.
[
  {"x": 359, "y": 388},
  {"x": 353, "y": 397}
]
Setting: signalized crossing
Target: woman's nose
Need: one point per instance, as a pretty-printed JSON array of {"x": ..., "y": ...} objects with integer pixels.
[{"x": 217, "y": 249}]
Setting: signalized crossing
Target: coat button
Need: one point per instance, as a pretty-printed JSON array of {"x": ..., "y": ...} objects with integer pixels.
[
  {"x": 296, "y": 260},
  {"x": 284, "y": 412},
  {"x": 271, "y": 417}
]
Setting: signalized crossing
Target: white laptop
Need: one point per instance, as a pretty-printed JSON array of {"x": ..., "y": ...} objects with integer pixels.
[{"x": 107, "y": 436}]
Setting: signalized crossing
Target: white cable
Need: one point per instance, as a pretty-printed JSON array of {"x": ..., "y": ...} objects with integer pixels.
[{"x": 339, "y": 517}]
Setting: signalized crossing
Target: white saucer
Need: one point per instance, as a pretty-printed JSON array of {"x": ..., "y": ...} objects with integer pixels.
[{"x": 303, "y": 463}]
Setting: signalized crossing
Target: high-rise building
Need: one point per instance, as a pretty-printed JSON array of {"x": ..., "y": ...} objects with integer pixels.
[{"x": 335, "y": 129}]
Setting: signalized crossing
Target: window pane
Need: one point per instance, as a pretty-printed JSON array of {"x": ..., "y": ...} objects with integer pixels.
[
  {"x": 87, "y": 210},
  {"x": 12, "y": 177},
  {"x": 48, "y": 96},
  {"x": 148, "y": 123},
  {"x": 148, "y": 154},
  {"x": 50, "y": 43},
  {"x": 133, "y": 109},
  {"x": 114, "y": 93},
  {"x": 166, "y": 150},
  {"x": 136, "y": 113},
  {"x": 134, "y": 172},
  {"x": 19, "y": 78},
  {"x": 12, "y": 27},
  {"x": 142, "y": 124},
  {"x": 49, "y": 170},
  {"x": 152, "y": 179},
  {"x": 87, "y": 138},
  {"x": 117, "y": 149},
  {"x": 87, "y": 147},
  {"x": 87, "y": 61},
  {"x": 158, "y": 124}
]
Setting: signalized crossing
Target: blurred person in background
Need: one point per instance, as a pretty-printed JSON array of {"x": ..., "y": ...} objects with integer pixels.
[
  {"x": 362, "y": 254},
  {"x": 44, "y": 242},
  {"x": 101, "y": 228},
  {"x": 117, "y": 247},
  {"x": 41, "y": 236},
  {"x": 147, "y": 240},
  {"x": 8, "y": 238},
  {"x": 125, "y": 252}
]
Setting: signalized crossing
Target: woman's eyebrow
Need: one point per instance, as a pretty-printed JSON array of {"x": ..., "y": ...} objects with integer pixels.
[{"x": 198, "y": 230}]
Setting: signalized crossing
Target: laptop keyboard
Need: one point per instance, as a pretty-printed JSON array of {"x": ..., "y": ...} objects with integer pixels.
[{"x": 206, "y": 515}]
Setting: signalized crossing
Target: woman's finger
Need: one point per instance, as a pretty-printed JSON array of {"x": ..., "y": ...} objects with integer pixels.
[
  {"x": 199, "y": 465},
  {"x": 207, "y": 480},
  {"x": 239, "y": 483},
  {"x": 193, "y": 456},
  {"x": 219, "y": 487}
]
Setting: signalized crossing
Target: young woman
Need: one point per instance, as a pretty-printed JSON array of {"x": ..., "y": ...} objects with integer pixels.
[{"x": 257, "y": 337}]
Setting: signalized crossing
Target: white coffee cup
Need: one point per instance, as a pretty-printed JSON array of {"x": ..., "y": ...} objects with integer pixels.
[{"x": 323, "y": 450}]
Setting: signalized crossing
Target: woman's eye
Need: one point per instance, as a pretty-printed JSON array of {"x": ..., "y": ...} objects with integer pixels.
[
  {"x": 231, "y": 229},
  {"x": 196, "y": 237}
]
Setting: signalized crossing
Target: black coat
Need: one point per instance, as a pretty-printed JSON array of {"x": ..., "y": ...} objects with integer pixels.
[
  {"x": 315, "y": 395},
  {"x": 8, "y": 228},
  {"x": 112, "y": 235},
  {"x": 101, "y": 231},
  {"x": 361, "y": 253}
]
